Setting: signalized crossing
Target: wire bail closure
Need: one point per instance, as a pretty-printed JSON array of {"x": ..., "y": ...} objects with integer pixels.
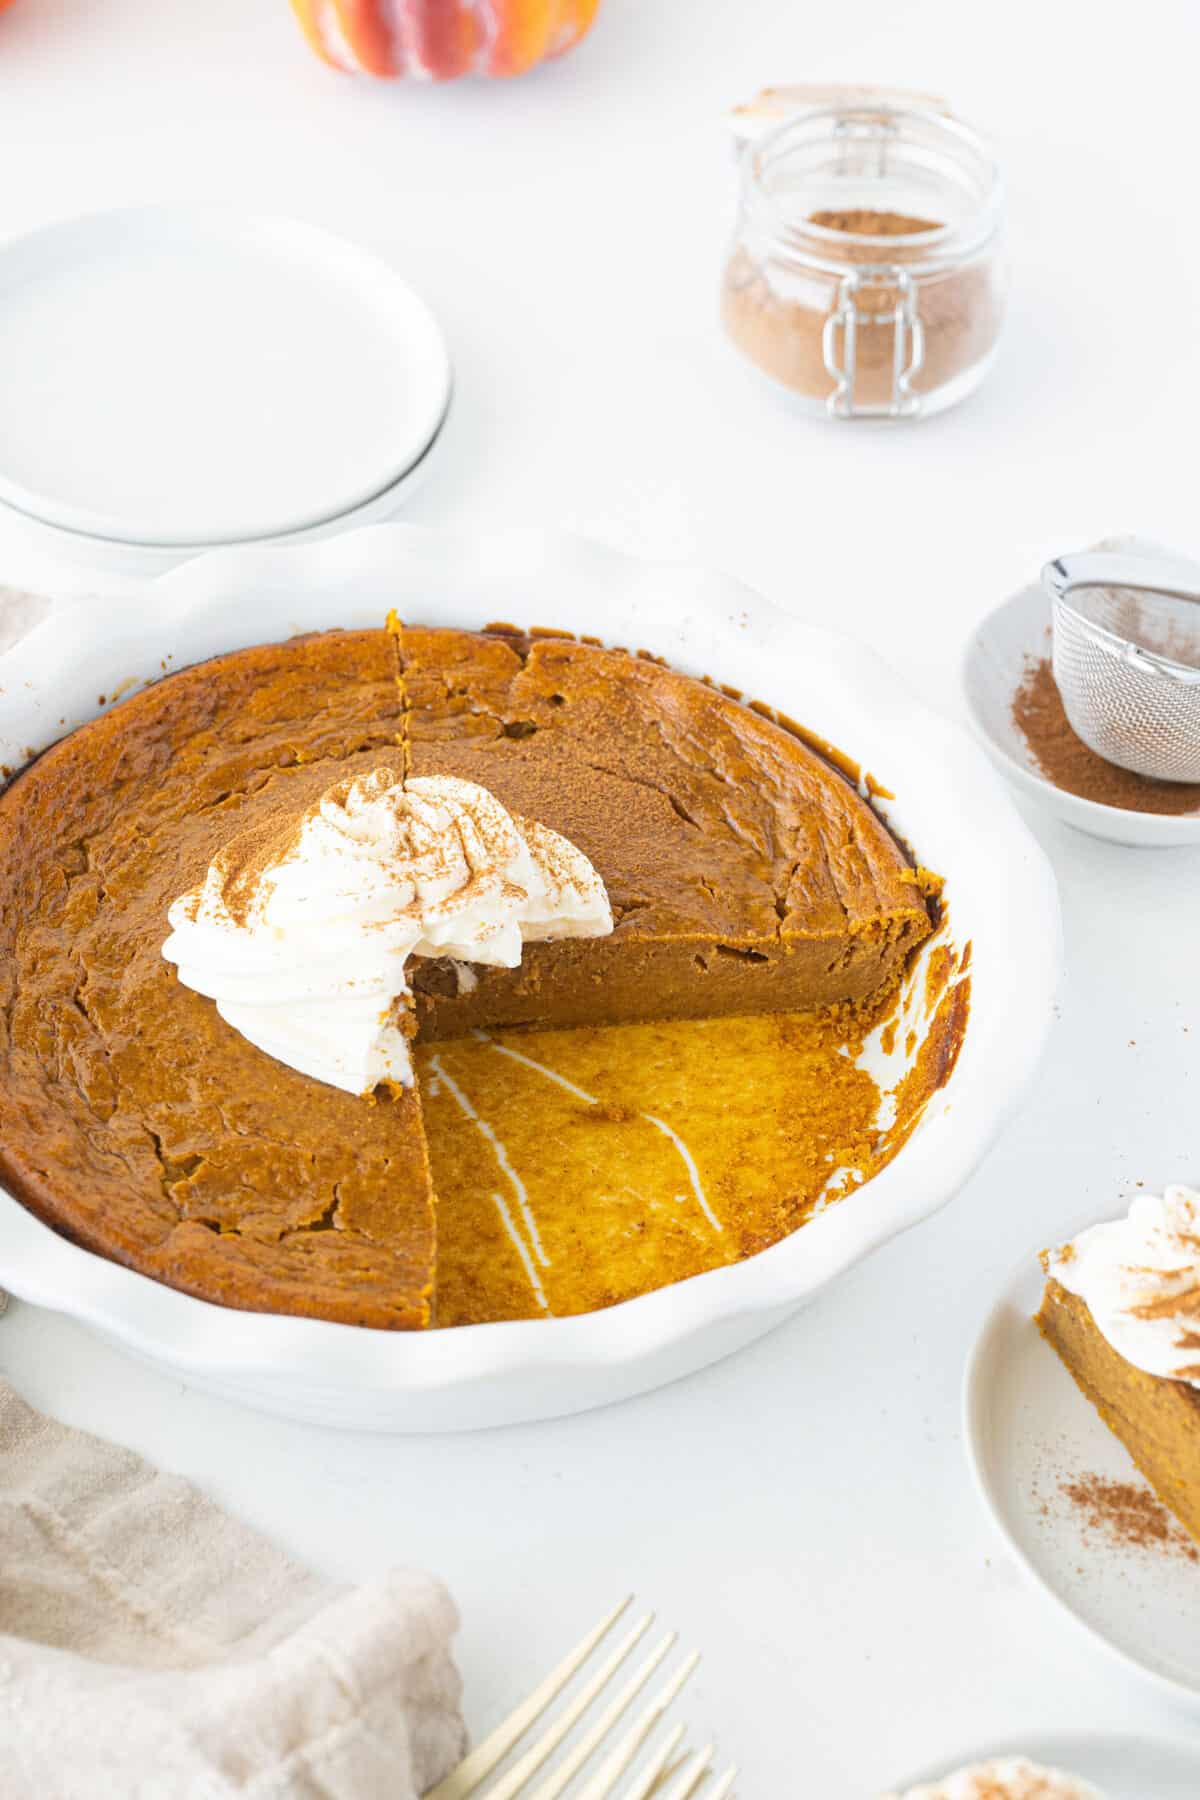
[{"x": 908, "y": 344}]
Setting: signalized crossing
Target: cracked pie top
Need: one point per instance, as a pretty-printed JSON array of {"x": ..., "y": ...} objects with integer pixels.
[{"x": 635, "y": 930}]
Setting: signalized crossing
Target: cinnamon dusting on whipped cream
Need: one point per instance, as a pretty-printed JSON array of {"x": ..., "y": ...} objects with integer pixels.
[
  {"x": 1008, "y": 1778},
  {"x": 1140, "y": 1279},
  {"x": 302, "y": 929}
]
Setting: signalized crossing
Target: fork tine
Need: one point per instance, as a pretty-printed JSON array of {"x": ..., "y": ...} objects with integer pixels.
[
  {"x": 476, "y": 1767},
  {"x": 523, "y": 1771},
  {"x": 604, "y": 1781},
  {"x": 553, "y": 1786},
  {"x": 724, "y": 1787},
  {"x": 673, "y": 1768},
  {"x": 690, "y": 1776},
  {"x": 647, "y": 1781}
]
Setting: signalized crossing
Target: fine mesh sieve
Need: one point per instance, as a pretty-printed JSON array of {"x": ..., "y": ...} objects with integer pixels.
[{"x": 1127, "y": 658}]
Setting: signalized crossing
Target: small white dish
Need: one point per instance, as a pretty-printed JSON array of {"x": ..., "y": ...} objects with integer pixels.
[
  {"x": 1027, "y": 1428},
  {"x": 1001, "y": 647},
  {"x": 172, "y": 379},
  {"x": 947, "y": 801},
  {"x": 1122, "y": 1768}
]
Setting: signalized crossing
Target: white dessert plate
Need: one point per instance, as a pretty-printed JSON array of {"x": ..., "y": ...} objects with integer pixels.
[
  {"x": 175, "y": 378},
  {"x": 1027, "y": 1430},
  {"x": 994, "y": 666},
  {"x": 948, "y": 803},
  {"x": 115, "y": 563},
  {"x": 1123, "y": 1768}
]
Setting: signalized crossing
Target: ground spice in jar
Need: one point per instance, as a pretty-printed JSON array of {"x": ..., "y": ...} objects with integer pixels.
[
  {"x": 781, "y": 327},
  {"x": 865, "y": 223},
  {"x": 1065, "y": 760}
]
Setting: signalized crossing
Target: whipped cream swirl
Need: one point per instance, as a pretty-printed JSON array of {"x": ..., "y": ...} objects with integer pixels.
[
  {"x": 302, "y": 931},
  {"x": 1011, "y": 1778},
  {"x": 1140, "y": 1279}
]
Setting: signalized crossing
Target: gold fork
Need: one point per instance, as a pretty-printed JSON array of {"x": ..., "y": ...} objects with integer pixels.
[{"x": 667, "y": 1773}]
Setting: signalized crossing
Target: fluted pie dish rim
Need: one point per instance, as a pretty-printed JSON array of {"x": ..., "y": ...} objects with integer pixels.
[{"x": 950, "y": 805}]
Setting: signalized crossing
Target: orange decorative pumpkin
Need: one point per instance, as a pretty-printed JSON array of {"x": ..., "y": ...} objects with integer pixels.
[{"x": 440, "y": 39}]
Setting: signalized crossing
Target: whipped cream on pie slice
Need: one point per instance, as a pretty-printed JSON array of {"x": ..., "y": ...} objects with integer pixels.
[
  {"x": 1011, "y": 1778},
  {"x": 302, "y": 929},
  {"x": 1140, "y": 1279}
]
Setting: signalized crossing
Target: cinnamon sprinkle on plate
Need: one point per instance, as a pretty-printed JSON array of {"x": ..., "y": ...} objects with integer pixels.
[{"x": 1127, "y": 1515}]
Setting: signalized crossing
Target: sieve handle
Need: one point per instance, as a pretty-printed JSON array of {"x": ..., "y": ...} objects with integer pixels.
[{"x": 1177, "y": 579}]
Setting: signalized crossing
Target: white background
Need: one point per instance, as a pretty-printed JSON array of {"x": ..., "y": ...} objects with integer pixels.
[{"x": 801, "y": 1513}]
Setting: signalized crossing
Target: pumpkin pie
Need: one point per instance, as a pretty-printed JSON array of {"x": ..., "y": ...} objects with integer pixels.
[
  {"x": 1122, "y": 1310},
  {"x": 755, "y": 892}
]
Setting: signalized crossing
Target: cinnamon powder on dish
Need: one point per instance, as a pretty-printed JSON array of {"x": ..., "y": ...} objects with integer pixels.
[
  {"x": 1065, "y": 759},
  {"x": 1127, "y": 1515}
]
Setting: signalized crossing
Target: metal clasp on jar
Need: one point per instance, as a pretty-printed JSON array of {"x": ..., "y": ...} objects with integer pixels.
[{"x": 908, "y": 345}]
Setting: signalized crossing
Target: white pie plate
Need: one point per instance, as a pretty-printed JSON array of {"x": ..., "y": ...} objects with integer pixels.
[{"x": 950, "y": 805}]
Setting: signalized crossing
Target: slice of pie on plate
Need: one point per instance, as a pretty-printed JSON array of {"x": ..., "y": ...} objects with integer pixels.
[{"x": 1122, "y": 1310}]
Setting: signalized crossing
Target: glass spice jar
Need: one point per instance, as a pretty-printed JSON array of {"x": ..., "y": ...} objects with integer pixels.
[{"x": 865, "y": 274}]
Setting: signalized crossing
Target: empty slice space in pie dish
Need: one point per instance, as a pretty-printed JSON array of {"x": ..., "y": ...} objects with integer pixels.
[{"x": 757, "y": 1037}]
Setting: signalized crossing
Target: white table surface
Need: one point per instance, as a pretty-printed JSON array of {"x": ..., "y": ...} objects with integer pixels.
[{"x": 801, "y": 1513}]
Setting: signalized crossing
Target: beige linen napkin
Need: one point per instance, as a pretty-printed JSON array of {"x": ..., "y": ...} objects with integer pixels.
[{"x": 153, "y": 1648}]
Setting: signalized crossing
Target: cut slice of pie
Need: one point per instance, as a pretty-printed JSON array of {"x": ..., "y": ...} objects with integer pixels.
[
  {"x": 747, "y": 876},
  {"x": 1156, "y": 1418}
]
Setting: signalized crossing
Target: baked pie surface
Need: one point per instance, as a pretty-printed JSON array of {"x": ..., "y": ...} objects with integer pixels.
[{"x": 750, "y": 883}]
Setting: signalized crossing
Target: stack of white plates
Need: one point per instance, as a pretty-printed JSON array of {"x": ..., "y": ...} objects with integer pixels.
[{"x": 172, "y": 381}]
